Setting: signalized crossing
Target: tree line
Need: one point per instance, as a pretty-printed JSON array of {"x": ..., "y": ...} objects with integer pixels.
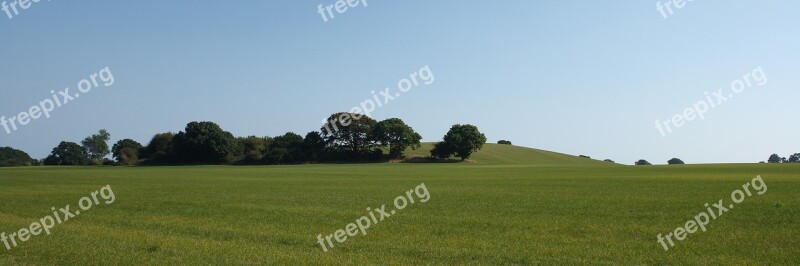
[
  {"x": 775, "y": 158},
  {"x": 354, "y": 140}
]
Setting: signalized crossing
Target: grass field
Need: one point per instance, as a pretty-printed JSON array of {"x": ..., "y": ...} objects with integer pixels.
[{"x": 510, "y": 206}]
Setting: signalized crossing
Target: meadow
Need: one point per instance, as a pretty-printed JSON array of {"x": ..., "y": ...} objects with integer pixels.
[{"x": 508, "y": 205}]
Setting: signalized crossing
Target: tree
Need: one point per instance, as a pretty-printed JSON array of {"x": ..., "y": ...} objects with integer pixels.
[
  {"x": 504, "y": 142},
  {"x": 461, "y": 141},
  {"x": 126, "y": 151},
  {"x": 13, "y": 157},
  {"x": 397, "y": 135},
  {"x": 159, "y": 148},
  {"x": 584, "y": 156},
  {"x": 313, "y": 146},
  {"x": 784, "y": 160},
  {"x": 609, "y": 161},
  {"x": 349, "y": 131},
  {"x": 442, "y": 150},
  {"x": 774, "y": 158},
  {"x": 253, "y": 148},
  {"x": 286, "y": 149},
  {"x": 795, "y": 158},
  {"x": 97, "y": 146},
  {"x": 68, "y": 153},
  {"x": 675, "y": 161},
  {"x": 205, "y": 142},
  {"x": 643, "y": 162}
]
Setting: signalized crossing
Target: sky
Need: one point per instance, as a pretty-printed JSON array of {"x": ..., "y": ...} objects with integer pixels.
[{"x": 577, "y": 77}]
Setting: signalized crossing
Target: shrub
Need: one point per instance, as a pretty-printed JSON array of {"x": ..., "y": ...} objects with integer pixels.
[{"x": 675, "y": 161}]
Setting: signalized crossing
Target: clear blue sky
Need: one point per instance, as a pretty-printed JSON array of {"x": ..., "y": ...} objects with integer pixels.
[{"x": 579, "y": 77}]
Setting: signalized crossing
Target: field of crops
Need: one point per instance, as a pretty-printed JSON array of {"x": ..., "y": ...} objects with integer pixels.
[{"x": 509, "y": 206}]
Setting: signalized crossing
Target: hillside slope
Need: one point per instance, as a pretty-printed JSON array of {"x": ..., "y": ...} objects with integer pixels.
[{"x": 510, "y": 155}]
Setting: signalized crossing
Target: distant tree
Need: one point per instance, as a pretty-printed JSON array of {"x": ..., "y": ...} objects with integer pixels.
[
  {"x": 253, "y": 148},
  {"x": 461, "y": 141},
  {"x": 795, "y": 158},
  {"x": 68, "y": 153},
  {"x": 286, "y": 149},
  {"x": 784, "y": 160},
  {"x": 159, "y": 148},
  {"x": 774, "y": 158},
  {"x": 126, "y": 151},
  {"x": 97, "y": 146},
  {"x": 609, "y": 161},
  {"x": 762, "y": 162},
  {"x": 313, "y": 146},
  {"x": 397, "y": 135},
  {"x": 584, "y": 156},
  {"x": 205, "y": 142},
  {"x": 349, "y": 131},
  {"x": 643, "y": 162},
  {"x": 504, "y": 142},
  {"x": 13, "y": 157},
  {"x": 675, "y": 161}
]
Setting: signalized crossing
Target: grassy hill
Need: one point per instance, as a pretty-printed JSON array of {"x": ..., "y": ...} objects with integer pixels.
[{"x": 514, "y": 155}]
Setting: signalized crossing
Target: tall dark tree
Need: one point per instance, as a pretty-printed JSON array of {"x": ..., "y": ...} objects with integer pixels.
[
  {"x": 13, "y": 157},
  {"x": 126, "y": 151},
  {"x": 314, "y": 146},
  {"x": 286, "y": 149},
  {"x": 205, "y": 142},
  {"x": 643, "y": 162},
  {"x": 463, "y": 140},
  {"x": 97, "y": 146},
  {"x": 349, "y": 131},
  {"x": 397, "y": 135},
  {"x": 774, "y": 158},
  {"x": 68, "y": 153}
]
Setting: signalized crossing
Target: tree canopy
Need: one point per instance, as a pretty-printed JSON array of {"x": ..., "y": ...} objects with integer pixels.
[
  {"x": 67, "y": 153},
  {"x": 794, "y": 158},
  {"x": 126, "y": 151},
  {"x": 349, "y": 131},
  {"x": 13, "y": 157},
  {"x": 398, "y": 136},
  {"x": 97, "y": 146},
  {"x": 205, "y": 142},
  {"x": 774, "y": 158},
  {"x": 461, "y": 141}
]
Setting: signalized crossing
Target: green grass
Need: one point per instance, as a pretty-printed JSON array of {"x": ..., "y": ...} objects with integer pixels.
[
  {"x": 512, "y": 206},
  {"x": 496, "y": 154}
]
